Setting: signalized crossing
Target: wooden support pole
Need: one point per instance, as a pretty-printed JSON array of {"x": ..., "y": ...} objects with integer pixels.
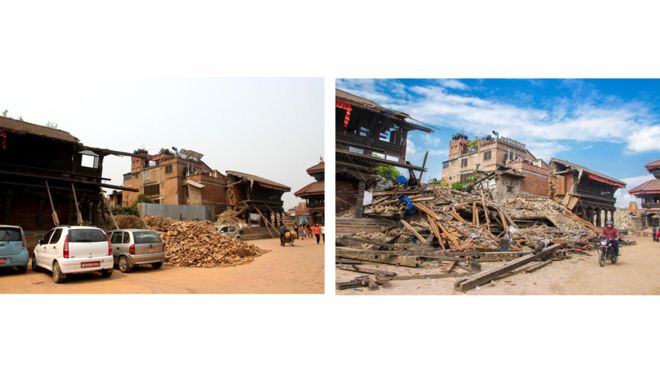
[
  {"x": 483, "y": 203},
  {"x": 56, "y": 219},
  {"x": 79, "y": 217}
]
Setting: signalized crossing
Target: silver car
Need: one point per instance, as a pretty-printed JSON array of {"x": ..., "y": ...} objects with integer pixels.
[
  {"x": 229, "y": 230},
  {"x": 131, "y": 247}
]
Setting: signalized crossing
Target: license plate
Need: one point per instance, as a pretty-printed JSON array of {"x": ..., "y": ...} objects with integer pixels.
[
  {"x": 151, "y": 250},
  {"x": 3, "y": 260},
  {"x": 90, "y": 264}
]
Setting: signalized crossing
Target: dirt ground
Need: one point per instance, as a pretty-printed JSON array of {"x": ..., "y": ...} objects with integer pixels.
[
  {"x": 284, "y": 270},
  {"x": 636, "y": 273}
]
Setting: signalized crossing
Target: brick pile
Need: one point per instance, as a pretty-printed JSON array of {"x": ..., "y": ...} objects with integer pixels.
[{"x": 199, "y": 244}]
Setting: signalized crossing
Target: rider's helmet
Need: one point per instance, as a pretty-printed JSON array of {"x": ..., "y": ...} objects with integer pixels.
[{"x": 609, "y": 223}]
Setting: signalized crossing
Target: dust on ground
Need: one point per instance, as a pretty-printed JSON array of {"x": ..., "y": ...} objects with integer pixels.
[{"x": 636, "y": 273}]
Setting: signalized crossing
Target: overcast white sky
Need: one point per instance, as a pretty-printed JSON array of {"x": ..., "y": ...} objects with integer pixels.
[{"x": 271, "y": 127}]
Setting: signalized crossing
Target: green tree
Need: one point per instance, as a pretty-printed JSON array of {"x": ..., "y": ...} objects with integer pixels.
[
  {"x": 387, "y": 171},
  {"x": 459, "y": 186}
]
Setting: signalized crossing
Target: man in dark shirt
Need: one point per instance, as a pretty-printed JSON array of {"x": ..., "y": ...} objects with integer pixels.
[
  {"x": 613, "y": 235},
  {"x": 283, "y": 230}
]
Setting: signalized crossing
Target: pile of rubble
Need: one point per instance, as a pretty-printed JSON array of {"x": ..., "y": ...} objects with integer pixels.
[
  {"x": 199, "y": 244},
  {"x": 434, "y": 224},
  {"x": 454, "y": 220},
  {"x": 129, "y": 222},
  {"x": 622, "y": 219},
  {"x": 230, "y": 217}
]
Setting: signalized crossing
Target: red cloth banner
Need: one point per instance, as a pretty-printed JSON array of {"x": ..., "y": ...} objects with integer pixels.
[
  {"x": 606, "y": 181},
  {"x": 348, "y": 108}
]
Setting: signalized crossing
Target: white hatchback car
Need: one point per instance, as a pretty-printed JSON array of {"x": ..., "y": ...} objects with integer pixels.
[{"x": 64, "y": 250}]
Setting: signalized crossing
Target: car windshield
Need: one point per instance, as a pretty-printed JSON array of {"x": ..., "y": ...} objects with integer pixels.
[
  {"x": 10, "y": 234},
  {"x": 86, "y": 235},
  {"x": 146, "y": 237}
]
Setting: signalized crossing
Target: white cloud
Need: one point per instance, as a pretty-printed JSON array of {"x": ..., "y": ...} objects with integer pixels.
[
  {"x": 438, "y": 152},
  {"x": 583, "y": 116},
  {"x": 644, "y": 140},
  {"x": 453, "y": 84},
  {"x": 623, "y": 198},
  {"x": 411, "y": 148}
]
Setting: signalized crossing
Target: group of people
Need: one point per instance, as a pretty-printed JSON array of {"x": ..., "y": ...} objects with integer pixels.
[
  {"x": 306, "y": 230},
  {"x": 303, "y": 231},
  {"x": 655, "y": 234}
]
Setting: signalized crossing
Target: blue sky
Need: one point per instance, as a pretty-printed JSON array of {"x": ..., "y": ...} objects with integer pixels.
[{"x": 608, "y": 125}]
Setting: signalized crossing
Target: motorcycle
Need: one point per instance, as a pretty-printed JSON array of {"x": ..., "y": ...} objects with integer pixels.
[{"x": 606, "y": 252}]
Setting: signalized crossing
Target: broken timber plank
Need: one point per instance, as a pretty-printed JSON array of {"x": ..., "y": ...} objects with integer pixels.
[
  {"x": 435, "y": 230},
  {"x": 491, "y": 274},
  {"x": 452, "y": 238},
  {"x": 361, "y": 281},
  {"x": 377, "y": 272},
  {"x": 413, "y": 231}
]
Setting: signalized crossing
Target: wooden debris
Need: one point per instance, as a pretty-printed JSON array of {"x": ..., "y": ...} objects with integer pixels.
[{"x": 492, "y": 274}]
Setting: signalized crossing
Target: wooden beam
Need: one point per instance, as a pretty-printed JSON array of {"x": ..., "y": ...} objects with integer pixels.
[
  {"x": 413, "y": 231},
  {"x": 452, "y": 238},
  {"x": 53, "y": 214},
  {"x": 79, "y": 217},
  {"x": 435, "y": 230},
  {"x": 492, "y": 274}
]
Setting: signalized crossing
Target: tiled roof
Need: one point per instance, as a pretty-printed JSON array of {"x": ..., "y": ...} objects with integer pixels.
[
  {"x": 312, "y": 189},
  {"x": 22, "y": 127},
  {"x": 652, "y": 165},
  {"x": 262, "y": 181},
  {"x": 648, "y": 187},
  {"x": 318, "y": 168},
  {"x": 580, "y": 167}
]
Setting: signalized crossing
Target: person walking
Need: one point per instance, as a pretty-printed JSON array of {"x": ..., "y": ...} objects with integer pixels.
[
  {"x": 283, "y": 229},
  {"x": 323, "y": 232},
  {"x": 657, "y": 235},
  {"x": 654, "y": 233},
  {"x": 317, "y": 233},
  {"x": 308, "y": 229},
  {"x": 300, "y": 232}
]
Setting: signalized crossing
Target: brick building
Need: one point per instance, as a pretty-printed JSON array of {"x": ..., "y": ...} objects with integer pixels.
[
  {"x": 314, "y": 194},
  {"x": 517, "y": 169},
  {"x": 649, "y": 193},
  {"x": 367, "y": 135},
  {"x": 176, "y": 177},
  {"x": 586, "y": 192}
]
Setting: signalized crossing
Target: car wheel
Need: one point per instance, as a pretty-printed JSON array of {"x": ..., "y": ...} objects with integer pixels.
[
  {"x": 35, "y": 267},
  {"x": 105, "y": 273},
  {"x": 58, "y": 276},
  {"x": 157, "y": 265},
  {"x": 124, "y": 264},
  {"x": 22, "y": 269}
]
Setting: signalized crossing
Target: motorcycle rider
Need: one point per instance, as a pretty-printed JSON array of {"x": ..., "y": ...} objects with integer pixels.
[{"x": 613, "y": 235}]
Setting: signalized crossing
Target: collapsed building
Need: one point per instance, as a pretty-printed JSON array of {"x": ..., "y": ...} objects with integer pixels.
[
  {"x": 514, "y": 168},
  {"x": 367, "y": 135},
  {"x": 649, "y": 193},
  {"x": 586, "y": 192},
  {"x": 314, "y": 194},
  {"x": 249, "y": 194},
  {"x": 179, "y": 183},
  {"x": 177, "y": 177},
  {"x": 48, "y": 177}
]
